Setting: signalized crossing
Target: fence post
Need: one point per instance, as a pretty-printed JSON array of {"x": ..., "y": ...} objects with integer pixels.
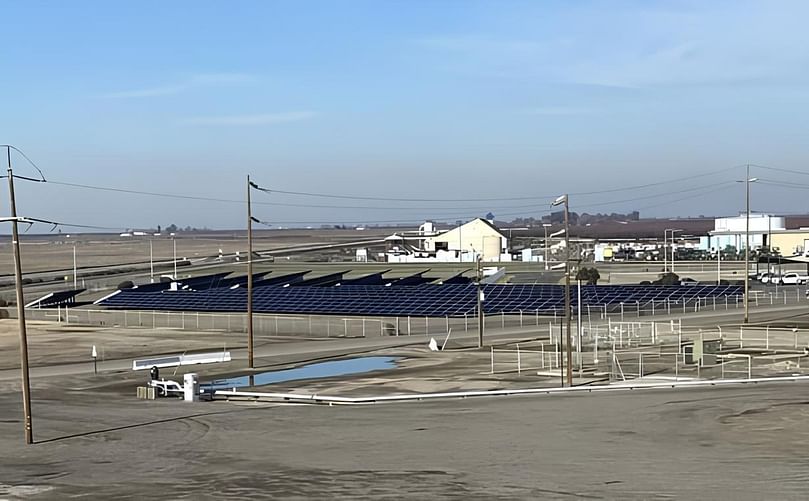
[
  {"x": 492, "y": 348},
  {"x": 749, "y": 367},
  {"x": 519, "y": 365},
  {"x": 676, "y": 366},
  {"x": 542, "y": 352},
  {"x": 741, "y": 336},
  {"x": 408, "y": 325}
]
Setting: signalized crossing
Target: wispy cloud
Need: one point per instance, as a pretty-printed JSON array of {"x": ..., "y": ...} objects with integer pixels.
[
  {"x": 194, "y": 81},
  {"x": 248, "y": 120},
  {"x": 627, "y": 47},
  {"x": 146, "y": 92},
  {"x": 556, "y": 111}
]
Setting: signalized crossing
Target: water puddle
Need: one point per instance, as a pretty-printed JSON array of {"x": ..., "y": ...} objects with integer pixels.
[{"x": 318, "y": 370}]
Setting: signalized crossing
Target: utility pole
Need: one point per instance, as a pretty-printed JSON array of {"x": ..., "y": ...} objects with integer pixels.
[
  {"x": 249, "y": 278},
  {"x": 747, "y": 249},
  {"x": 545, "y": 227},
  {"x": 15, "y": 237},
  {"x": 480, "y": 303}
]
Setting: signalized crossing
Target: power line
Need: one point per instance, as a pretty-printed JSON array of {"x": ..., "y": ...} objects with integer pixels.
[
  {"x": 703, "y": 190},
  {"x": 31, "y": 162},
  {"x": 780, "y": 169},
  {"x": 536, "y": 197}
]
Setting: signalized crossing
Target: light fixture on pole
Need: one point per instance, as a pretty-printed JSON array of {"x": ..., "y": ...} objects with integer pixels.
[{"x": 563, "y": 200}]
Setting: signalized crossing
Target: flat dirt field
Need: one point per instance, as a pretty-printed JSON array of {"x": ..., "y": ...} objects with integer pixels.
[
  {"x": 734, "y": 443},
  {"x": 95, "y": 440},
  {"x": 55, "y": 252}
]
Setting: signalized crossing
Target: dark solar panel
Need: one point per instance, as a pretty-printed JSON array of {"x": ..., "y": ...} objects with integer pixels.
[{"x": 415, "y": 300}]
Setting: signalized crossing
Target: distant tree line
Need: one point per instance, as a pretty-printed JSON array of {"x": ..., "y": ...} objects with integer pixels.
[{"x": 576, "y": 219}]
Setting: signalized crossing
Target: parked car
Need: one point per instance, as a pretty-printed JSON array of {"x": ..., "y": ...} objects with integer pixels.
[
  {"x": 764, "y": 278},
  {"x": 793, "y": 278}
]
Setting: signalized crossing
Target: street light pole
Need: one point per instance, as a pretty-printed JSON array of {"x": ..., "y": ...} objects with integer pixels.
[
  {"x": 15, "y": 240},
  {"x": 174, "y": 242},
  {"x": 151, "y": 261},
  {"x": 75, "y": 277},
  {"x": 568, "y": 335},
  {"x": 480, "y": 303},
  {"x": 249, "y": 278},
  {"x": 545, "y": 227},
  {"x": 673, "y": 250}
]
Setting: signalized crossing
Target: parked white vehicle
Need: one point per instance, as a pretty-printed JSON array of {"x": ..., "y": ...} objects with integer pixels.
[{"x": 794, "y": 279}]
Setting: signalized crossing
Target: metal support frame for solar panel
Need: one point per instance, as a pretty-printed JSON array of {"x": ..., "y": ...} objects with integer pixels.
[
  {"x": 56, "y": 299},
  {"x": 281, "y": 279},
  {"x": 322, "y": 281}
]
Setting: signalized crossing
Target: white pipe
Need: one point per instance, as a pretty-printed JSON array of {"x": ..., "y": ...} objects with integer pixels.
[{"x": 485, "y": 393}]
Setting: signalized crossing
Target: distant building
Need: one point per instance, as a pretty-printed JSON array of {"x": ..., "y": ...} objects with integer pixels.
[
  {"x": 464, "y": 243},
  {"x": 731, "y": 231}
]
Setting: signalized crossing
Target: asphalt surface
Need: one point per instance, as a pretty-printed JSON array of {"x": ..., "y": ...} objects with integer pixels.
[{"x": 732, "y": 443}]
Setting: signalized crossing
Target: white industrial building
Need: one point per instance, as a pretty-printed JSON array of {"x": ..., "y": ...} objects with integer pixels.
[
  {"x": 464, "y": 243},
  {"x": 732, "y": 231}
]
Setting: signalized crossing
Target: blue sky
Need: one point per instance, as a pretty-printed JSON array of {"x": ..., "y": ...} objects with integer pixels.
[{"x": 403, "y": 99}]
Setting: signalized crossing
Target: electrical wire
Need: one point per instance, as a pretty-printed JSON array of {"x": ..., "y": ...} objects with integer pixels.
[
  {"x": 780, "y": 169},
  {"x": 537, "y": 197},
  {"x": 31, "y": 162}
]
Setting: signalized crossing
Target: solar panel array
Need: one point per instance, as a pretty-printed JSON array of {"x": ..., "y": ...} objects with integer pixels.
[{"x": 418, "y": 300}]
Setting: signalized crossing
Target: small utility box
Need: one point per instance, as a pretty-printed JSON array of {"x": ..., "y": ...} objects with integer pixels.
[{"x": 191, "y": 387}]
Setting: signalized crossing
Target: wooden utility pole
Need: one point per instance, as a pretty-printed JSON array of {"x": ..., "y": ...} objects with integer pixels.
[
  {"x": 249, "y": 278},
  {"x": 15, "y": 240}
]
